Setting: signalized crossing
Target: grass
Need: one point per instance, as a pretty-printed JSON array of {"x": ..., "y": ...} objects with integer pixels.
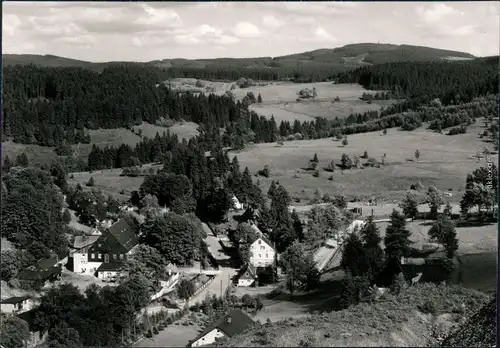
[
  {"x": 171, "y": 336},
  {"x": 391, "y": 321},
  {"x": 444, "y": 162},
  {"x": 101, "y": 137}
]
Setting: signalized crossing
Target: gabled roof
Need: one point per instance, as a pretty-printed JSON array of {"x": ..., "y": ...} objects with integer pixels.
[
  {"x": 40, "y": 274},
  {"x": 110, "y": 266},
  {"x": 124, "y": 231},
  {"x": 261, "y": 235},
  {"x": 238, "y": 322},
  {"x": 246, "y": 272},
  {"x": 14, "y": 300},
  {"x": 45, "y": 264},
  {"x": 84, "y": 241}
]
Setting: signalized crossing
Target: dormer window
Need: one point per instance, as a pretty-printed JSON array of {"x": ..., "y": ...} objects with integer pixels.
[{"x": 259, "y": 241}]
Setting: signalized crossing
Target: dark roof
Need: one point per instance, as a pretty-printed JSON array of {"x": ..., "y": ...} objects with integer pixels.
[
  {"x": 40, "y": 274},
  {"x": 14, "y": 300},
  {"x": 243, "y": 270},
  {"x": 84, "y": 241},
  {"x": 239, "y": 322},
  {"x": 45, "y": 264},
  {"x": 110, "y": 266},
  {"x": 124, "y": 231}
]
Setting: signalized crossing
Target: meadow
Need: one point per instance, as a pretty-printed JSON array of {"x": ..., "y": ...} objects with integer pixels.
[
  {"x": 444, "y": 162},
  {"x": 101, "y": 137}
]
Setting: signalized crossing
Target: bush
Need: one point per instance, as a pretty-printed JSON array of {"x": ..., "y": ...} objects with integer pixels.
[
  {"x": 265, "y": 172},
  {"x": 91, "y": 182},
  {"x": 149, "y": 334},
  {"x": 428, "y": 307},
  {"x": 330, "y": 177},
  {"x": 155, "y": 331},
  {"x": 316, "y": 173}
]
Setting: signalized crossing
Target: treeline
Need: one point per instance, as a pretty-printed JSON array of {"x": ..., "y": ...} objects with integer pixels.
[
  {"x": 51, "y": 106},
  {"x": 420, "y": 82}
]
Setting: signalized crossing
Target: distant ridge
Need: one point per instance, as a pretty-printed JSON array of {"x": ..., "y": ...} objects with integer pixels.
[{"x": 348, "y": 56}]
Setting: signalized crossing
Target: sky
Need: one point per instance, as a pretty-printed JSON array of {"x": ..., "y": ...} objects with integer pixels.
[{"x": 125, "y": 31}]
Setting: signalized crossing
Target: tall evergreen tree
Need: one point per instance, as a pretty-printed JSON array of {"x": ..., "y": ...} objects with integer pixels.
[
  {"x": 370, "y": 236},
  {"x": 397, "y": 237}
]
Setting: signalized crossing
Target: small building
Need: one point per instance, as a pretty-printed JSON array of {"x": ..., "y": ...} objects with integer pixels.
[
  {"x": 16, "y": 304},
  {"x": 34, "y": 278},
  {"x": 235, "y": 203},
  {"x": 229, "y": 325},
  {"x": 246, "y": 276}
]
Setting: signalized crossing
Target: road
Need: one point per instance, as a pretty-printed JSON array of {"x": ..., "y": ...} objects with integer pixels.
[{"x": 218, "y": 285}]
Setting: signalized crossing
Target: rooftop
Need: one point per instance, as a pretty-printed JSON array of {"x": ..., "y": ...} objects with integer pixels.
[
  {"x": 231, "y": 324},
  {"x": 14, "y": 300}
]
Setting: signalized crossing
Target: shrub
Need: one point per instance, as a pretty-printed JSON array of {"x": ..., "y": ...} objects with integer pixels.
[
  {"x": 155, "y": 331},
  {"x": 316, "y": 173},
  {"x": 265, "y": 172},
  {"x": 330, "y": 177},
  {"x": 149, "y": 334},
  {"x": 428, "y": 307},
  {"x": 345, "y": 142},
  {"x": 91, "y": 182}
]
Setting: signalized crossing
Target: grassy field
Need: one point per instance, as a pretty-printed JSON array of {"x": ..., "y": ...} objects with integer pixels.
[
  {"x": 100, "y": 137},
  {"x": 444, "y": 162},
  {"x": 279, "y": 98}
]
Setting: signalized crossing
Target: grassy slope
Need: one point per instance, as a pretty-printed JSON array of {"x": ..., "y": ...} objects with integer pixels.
[
  {"x": 100, "y": 137},
  {"x": 391, "y": 321},
  {"x": 347, "y": 56}
]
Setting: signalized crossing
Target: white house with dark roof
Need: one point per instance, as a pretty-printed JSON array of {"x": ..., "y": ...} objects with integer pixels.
[
  {"x": 262, "y": 252},
  {"x": 229, "y": 325},
  {"x": 16, "y": 305},
  {"x": 103, "y": 255},
  {"x": 246, "y": 276},
  {"x": 79, "y": 256}
]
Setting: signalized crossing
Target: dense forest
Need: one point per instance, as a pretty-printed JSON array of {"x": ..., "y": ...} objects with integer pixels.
[{"x": 53, "y": 106}]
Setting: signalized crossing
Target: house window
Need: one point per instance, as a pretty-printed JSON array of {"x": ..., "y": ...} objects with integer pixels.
[
  {"x": 260, "y": 255},
  {"x": 259, "y": 241},
  {"x": 262, "y": 247},
  {"x": 106, "y": 258},
  {"x": 92, "y": 256},
  {"x": 267, "y": 256},
  {"x": 114, "y": 256},
  {"x": 99, "y": 256}
]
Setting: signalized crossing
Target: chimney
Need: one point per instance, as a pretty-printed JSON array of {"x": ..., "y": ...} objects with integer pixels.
[{"x": 228, "y": 320}]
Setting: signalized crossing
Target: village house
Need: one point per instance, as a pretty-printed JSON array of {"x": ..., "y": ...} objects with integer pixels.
[
  {"x": 167, "y": 282},
  {"x": 227, "y": 326},
  {"x": 79, "y": 254},
  {"x": 246, "y": 276},
  {"x": 262, "y": 252},
  {"x": 108, "y": 253},
  {"x": 15, "y": 305},
  {"x": 42, "y": 274}
]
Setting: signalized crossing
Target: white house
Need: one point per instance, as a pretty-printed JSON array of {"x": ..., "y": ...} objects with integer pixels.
[
  {"x": 81, "y": 263},
  {"x": 168, "y": 283},
  {"x": 15, "y": 305},
  {"x": 262, "y": 253},
  {"x": 227, "y": 326},
  {"x": 246, "y": 276}
]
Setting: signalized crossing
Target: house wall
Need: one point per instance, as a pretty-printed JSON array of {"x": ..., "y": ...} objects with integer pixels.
[
  {"x": 81, "y": 264},
  {"x": 8, "y": 307},
  {"x": 209, "y": 338},
  {"x": 262, "y": 254},
  {"x": 245, "y": 282},
  {"x": 20, "y": 307},
  {"x": 107, "y": 274}
]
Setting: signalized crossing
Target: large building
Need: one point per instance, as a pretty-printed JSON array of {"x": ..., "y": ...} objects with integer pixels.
[
  {"x": 104, "y": 255},
  {"x": 262, "y": 250}
]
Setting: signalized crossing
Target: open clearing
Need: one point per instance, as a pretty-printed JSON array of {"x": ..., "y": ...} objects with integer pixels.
[
  {"x": 100, "y": 137},
  {"x": 444, "y": 162},
  {"x": 172, "y": 336},
  {"x": 279, "y": 98}
]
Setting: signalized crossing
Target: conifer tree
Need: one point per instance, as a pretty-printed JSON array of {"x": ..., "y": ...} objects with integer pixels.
[{"x": 397, "y": 237}]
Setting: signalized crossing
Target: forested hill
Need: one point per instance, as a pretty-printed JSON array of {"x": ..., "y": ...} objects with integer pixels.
[
  {"x": 48, "y": 106},
  {"x": 340, "y": 58}
]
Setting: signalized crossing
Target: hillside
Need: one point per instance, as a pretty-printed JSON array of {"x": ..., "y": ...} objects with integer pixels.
[
  {"x": 403, "y": 320},
  {"x": 478, "y": 331},
  {"x": 349, "y": 56}
]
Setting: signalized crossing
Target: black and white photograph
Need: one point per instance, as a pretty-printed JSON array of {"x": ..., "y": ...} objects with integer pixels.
[{"x": 249, "y": 174}]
